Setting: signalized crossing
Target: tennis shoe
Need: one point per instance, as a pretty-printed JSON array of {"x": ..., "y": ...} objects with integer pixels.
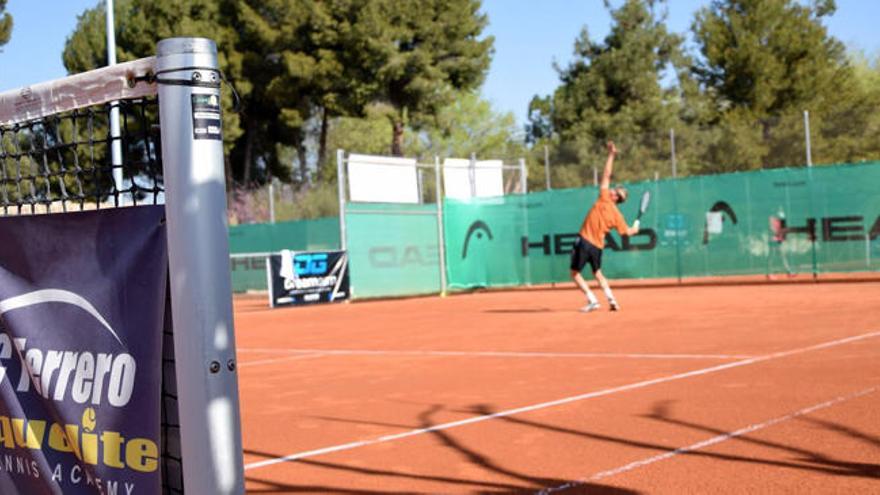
[
  {"x": 613, "y": 305},
  {"x": 590, "y": 307}
]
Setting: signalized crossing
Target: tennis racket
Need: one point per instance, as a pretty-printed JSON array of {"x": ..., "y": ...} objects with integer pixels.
[{"x": 643, "y": 206}]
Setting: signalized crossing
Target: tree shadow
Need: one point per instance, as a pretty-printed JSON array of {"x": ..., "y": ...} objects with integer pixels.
[
  {"x": 815, "y": 461},
  {"x": 519, "y": 482},
  {"x": 806, "y": 461}
]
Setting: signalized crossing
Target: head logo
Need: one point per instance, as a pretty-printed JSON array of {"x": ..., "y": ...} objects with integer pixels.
[
  {"x": 477, "y": 228},
  {"x": 55, "y": 296}
]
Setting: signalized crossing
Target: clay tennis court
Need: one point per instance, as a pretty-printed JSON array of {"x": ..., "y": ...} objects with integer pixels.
[{"x": 691, "y": 389}]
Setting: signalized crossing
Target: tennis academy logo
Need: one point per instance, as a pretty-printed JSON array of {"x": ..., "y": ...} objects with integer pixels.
[
  {"x": 477, "y": 229},
  {"x": 79, "y": 455}
]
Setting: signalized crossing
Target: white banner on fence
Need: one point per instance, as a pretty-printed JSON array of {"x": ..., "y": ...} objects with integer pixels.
[
  {"x": 382, "y": 179},
  {"x": 486, "y": 176}
]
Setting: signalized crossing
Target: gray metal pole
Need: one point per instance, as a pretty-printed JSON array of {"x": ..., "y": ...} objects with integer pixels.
[
  {"x": 340, "y": 178},
  {"x": 672, "y": 150},
  {"x": 116, "y": 143},
  {"x": 595, "y": 176},
  {"x": 547, "y": 166},
  {"x": 523, "y": 177},
  {"x": 198, "y": 258},
  {"x": 472, "y": 174},
  {"x": 441, "y": 235},
  {"x": 272, "y": 201},
  {"x": 807, "y": 138}
]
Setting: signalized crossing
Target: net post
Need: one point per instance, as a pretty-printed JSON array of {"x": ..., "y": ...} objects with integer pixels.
[
  {"x": 441, "y": 235},
  {"x": 340, "y": 179},
  {"x": 523, "y": 182},
  {"x": 198, "y": 253}
]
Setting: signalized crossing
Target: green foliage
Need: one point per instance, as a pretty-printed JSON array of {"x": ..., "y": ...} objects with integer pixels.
[
  {"x": 468, "y": 125},
  {"x": 300, "y": 64},
  {"x": 5, "y": 24},
  {"x": 770, "y": 56},
  {"x": 613, "y": 90},
  {"x": 766, "y": 61},
  {"x": 430, "y": 49},
  {"x": 319, "y": 201}
]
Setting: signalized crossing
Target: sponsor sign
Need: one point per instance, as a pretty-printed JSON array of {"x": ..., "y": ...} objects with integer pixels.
[
  {"x": 207, "y": 123},
  {"x": 82, "y": 304},
  {"x": 307, "y": 277}
]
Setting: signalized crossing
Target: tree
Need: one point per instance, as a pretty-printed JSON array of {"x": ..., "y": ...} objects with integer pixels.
[
  {"x": 769, "y": 56},
  {"x": 614, "y": 90},
  {"x": 141, "y": 24},
  {"x": 5, "y": 24},
  {"x": 764, "y": 62},
  {"x": 429, "y": 49}
]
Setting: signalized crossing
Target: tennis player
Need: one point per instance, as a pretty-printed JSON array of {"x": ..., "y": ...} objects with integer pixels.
[{"x": 602, "y": 217}]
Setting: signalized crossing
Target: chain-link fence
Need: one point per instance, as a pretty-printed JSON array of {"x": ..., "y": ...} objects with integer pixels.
[{"x": 737, "y": 144}]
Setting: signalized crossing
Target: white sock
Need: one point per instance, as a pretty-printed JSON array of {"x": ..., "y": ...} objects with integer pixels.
[
  {"x": 608, "y": 294},
  {"x": 592, "y": 298}
]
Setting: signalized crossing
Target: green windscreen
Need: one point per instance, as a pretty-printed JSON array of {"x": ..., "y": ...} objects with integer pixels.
[
  {"x": 393, "y": 249},
  {"x": 249, "y": 243},
  {"x": 782, "y": 222}
]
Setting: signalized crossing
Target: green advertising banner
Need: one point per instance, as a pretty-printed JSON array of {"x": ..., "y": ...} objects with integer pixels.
[
  {"x": 775, "y": 222},
  {"x": 393, "y": 249},
  {"x": 249, "y": 272}
]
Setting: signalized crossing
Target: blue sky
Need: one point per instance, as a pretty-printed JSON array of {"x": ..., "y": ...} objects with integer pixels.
[{"x": 529, "y": 36}]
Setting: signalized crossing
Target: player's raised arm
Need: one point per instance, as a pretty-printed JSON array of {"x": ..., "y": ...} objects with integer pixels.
[{"x": 609, "y": 166}]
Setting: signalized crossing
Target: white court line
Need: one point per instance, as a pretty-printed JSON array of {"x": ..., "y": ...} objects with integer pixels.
[
  {"x": 558, "y": 402},
  {"x": 706, "y": 443},
  {"x": 278, "y": 360},
  {"x": 364, "y": 352}
]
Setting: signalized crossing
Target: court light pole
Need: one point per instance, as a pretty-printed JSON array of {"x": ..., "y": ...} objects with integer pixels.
[{"x": 116, "y": 143}]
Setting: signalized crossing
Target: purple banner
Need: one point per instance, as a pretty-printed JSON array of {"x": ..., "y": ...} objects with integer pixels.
[{"x": 82, "y": 301}]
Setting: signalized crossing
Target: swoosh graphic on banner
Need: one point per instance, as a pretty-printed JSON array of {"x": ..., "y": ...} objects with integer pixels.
[{"x": 58, "y": 296}]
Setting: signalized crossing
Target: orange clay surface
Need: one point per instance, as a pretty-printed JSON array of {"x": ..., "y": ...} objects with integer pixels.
[{"x": 701, "y": 389}]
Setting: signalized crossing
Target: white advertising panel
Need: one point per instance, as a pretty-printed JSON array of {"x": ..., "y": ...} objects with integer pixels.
[
  {"x": 382, "y": 179},
  {"x": 486, "y": 175}
]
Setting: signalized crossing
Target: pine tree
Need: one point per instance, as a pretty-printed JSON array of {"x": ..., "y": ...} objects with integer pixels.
[{"x": 5, "y": 24}]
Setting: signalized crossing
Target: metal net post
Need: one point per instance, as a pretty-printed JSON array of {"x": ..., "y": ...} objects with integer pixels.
[{"x": 192, "y": 152}]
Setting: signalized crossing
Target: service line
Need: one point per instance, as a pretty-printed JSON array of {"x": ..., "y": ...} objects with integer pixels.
[{"x": 559, "y": 402}]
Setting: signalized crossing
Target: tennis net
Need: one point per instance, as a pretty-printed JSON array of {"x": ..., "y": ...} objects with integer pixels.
[{"x": 57, "y": 156}]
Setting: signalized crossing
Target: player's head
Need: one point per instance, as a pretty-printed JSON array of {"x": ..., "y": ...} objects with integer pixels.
[{"x": 619, "y": 194}]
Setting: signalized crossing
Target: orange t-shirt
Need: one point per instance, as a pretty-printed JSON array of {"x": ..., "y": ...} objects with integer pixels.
[{"x": 603, "y": 217}]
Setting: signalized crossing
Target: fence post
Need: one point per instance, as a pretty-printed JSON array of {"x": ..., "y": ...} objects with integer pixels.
[
  {"x": 807, "y": 138},
  {"x": 523, "y": 182},
  {"x": 272, "y": 201},
  {"x": 547, "y": 167},
  {"x": 472, "y": 174},
  {"x": 441, "y": 234},
  {"x": 595, "y": 177},
  {"x": 340, "y": 178},
  {"x": 672, "y": 149}
]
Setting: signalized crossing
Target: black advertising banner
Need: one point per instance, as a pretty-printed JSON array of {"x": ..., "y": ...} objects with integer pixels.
[
  {"x": 82, "y": 301},
  {"x": 308, "y": 277}
]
